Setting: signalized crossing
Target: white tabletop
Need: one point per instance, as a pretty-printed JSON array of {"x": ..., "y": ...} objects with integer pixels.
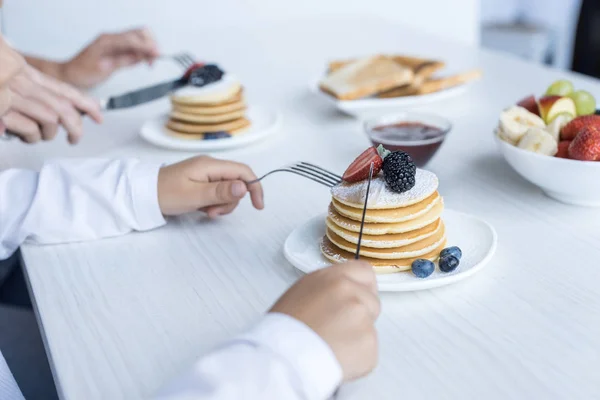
[{"x": 121, "y": 316}]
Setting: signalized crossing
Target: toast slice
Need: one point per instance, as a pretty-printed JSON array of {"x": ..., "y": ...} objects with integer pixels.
[
  {"x": 422, "y": 73},
  {"x": 435, "y": 85},
  {"x": 365, "y": 77}
]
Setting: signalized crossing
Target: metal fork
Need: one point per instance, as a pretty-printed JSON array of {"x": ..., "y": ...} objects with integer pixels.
[
  {"x": 185, "y": 60},
  {"x": 306, "y": 170}
]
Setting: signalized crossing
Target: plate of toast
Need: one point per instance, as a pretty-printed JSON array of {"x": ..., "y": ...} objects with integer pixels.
[{"x": 366, "y": 84}]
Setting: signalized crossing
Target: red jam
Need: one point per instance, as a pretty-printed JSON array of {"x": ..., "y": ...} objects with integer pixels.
[{"x": 419, "y": 140}]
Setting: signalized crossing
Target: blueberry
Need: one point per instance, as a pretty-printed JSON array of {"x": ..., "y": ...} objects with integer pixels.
[
  {"x": 422, "y": 268},
  {"x": 452, "y": 251},
  {"x": 448, "y": 263},
  {"x": 216, "y": 135}
]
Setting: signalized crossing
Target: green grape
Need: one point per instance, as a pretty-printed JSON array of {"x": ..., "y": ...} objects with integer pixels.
[
  {"x": 585, "y": 103},
  {"x": 560, "y": 88}
]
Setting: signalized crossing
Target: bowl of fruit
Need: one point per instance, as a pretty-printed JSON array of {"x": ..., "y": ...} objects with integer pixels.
[{"x": 554, "y": 142}]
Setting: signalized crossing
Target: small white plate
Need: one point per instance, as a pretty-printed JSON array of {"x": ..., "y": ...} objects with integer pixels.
[
  {"x": 476, "y": 238},
  {"x": 372, "y": 105},
  {"x": 263, "y": 124}
]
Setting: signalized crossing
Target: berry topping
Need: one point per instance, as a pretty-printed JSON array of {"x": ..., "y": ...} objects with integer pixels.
[
  {"x": 203, "y": 74},
  {"x": 586, "y": 145},
  {"x": 399, "y": 171},
  {"x": 216, "y": 135},
  {"x": 422, "y": 268},
  {"x": 448, "y": 263},
  {"x": 194, "y": 66},
  {"x": 452, "y": 251},
  {"x": 569, "y": 131},
  {"x": 359, "y": 169},
  {"x": 563, "y": 149}
]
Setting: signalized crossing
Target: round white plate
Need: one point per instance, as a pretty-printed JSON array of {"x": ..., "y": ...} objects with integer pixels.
[
  {"x": 263, "y": 124},
  {"x": 372, "y": 105},
  {"x": 476, "y": 238}
]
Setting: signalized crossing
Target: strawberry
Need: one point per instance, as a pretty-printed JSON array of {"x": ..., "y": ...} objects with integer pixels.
[
  {"x": 359, "y": 169},
  {"x": 563, "y": 149},
  {"x": 586, "y": 145},
  {"x": 569, "y": 131},
  {"x": 193, "y": 67}
]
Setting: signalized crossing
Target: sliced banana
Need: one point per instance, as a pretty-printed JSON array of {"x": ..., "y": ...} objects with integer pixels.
[
  {"x": 500, "y": 133},
  {"x": 515, "y": 121},
  {"x": 557, "y": 124},
  {"x": 538, "y": 140}
]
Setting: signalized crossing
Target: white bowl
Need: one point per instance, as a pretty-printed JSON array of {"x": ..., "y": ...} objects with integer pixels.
[{"x": 568, "y": 181}]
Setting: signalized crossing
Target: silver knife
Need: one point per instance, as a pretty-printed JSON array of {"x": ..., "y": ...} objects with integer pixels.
[{"x": 362, "y": 222}]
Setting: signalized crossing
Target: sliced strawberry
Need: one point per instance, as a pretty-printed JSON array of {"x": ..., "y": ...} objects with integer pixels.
[
  {"x": 193, "y": 67},
  {"x": 563, "y": 149},
  {"x": 569, "y": 131},
  {"x": 586, "y": 145},
  {"x": 359, "y": 169}
]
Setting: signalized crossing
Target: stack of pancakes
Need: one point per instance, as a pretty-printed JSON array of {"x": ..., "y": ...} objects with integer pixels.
[
  {"x": 399, "y": 227},
  {"x": 196, "y": 111}
]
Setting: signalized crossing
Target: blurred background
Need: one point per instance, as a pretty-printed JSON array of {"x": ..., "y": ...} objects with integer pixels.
[{"x": 543, "y": 31}]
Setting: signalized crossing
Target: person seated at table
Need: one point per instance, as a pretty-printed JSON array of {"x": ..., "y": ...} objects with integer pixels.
[
  {"x": 47, "y": 93},
  {"x": 319, "y": 334}
]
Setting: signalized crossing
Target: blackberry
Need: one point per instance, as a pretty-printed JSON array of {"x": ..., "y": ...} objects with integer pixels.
[
  {"x": 204, "y": 75},
  {"x": 399, "y": 171}
]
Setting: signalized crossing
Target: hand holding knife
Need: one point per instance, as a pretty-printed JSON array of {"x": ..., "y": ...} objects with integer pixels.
[{"x": 198, "y": 75}]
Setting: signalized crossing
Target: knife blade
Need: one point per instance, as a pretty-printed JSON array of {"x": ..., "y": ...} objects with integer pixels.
[
  {"x": 362, "y": 221},
  {"x": 142, "y": 96}
]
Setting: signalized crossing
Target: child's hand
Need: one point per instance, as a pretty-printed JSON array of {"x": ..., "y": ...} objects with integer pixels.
[{"x": 206, "y": 184}]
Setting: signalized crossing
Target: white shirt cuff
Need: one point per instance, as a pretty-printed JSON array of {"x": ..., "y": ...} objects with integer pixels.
[
  {"x": 144, "y": 194},
  {"x": 306, "y": 352}
]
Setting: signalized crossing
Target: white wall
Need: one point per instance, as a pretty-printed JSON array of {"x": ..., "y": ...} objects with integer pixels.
[{"x": 56, "y": 27}]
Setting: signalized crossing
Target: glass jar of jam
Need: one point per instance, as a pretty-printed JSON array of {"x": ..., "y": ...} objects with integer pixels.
[{"x": 418, "y": 134}]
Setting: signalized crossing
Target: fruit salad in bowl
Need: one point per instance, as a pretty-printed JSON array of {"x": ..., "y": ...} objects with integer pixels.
[{"x": 554, "y": 142}]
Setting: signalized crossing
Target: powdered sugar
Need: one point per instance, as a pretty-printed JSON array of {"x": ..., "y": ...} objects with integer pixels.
[{"x": 381, "y": 197}]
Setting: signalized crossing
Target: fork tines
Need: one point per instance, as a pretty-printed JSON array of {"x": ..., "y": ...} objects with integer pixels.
[
  {"x": 185, "y": 60},
  {"x": 315, "y": 173}
]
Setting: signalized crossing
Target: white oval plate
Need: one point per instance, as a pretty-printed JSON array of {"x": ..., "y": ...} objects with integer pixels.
[
  {"x": 360, "y": 107},
  {"x": 263, "y": 124},
  {"x": 476, "y": 238}
]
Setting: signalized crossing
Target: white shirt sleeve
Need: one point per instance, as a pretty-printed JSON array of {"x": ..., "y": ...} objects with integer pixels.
[
  {"x": 76, "y": 200},
  {"x": 281, "y": 358},
  {"x": 8, "y": 387}
]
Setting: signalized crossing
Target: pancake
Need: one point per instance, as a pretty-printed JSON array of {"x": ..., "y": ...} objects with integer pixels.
[
  {"x": 206, "y": 119},
  {"x": 208, "y": 95},
  {"x": 389, "y": 240},
  {"x": 337, "y": 255},
  {"x": 186, "y": 127},
  {"x": 210, "y": 110},
  {"x": 386, "y": 228},
  {"x": 412, "y": 250},
  {"x": 381, "y": 197},
  {"x": 389, "y": 215},
  {"x": 200, "y": 136}
]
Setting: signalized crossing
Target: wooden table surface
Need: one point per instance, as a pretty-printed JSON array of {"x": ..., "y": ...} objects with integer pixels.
[{"x": 121, "y": 316}]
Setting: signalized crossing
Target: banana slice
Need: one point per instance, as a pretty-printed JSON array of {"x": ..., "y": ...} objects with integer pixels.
[
  {"x": 500, "y": 133},
  {"x": 515, "y": 122},
  {"x": 538, "y": 140},
  {"x": 557, "y": 124}
]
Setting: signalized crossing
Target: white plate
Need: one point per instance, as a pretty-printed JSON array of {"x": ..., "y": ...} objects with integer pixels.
[
  {"x": 476, "y": 238},
  {"x": 371, "y": 105},
  {"x": 263, "y": 123}
]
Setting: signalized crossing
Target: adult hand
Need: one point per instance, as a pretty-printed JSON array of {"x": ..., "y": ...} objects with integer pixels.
[
  {"x": 206, "y": 184},
  {"x": 340, "y": 304},
  {"x": 106, "y": 54},
  {"x": 40, "y": 104}
]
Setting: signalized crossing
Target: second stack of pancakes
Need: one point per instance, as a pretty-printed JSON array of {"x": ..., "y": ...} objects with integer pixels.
[
  {"x": 196, "y": 112},
  {"x": 399, "y": 227}
]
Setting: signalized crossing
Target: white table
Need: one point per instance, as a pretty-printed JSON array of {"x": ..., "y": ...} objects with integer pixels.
[{"x": 122, "y": 316}]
